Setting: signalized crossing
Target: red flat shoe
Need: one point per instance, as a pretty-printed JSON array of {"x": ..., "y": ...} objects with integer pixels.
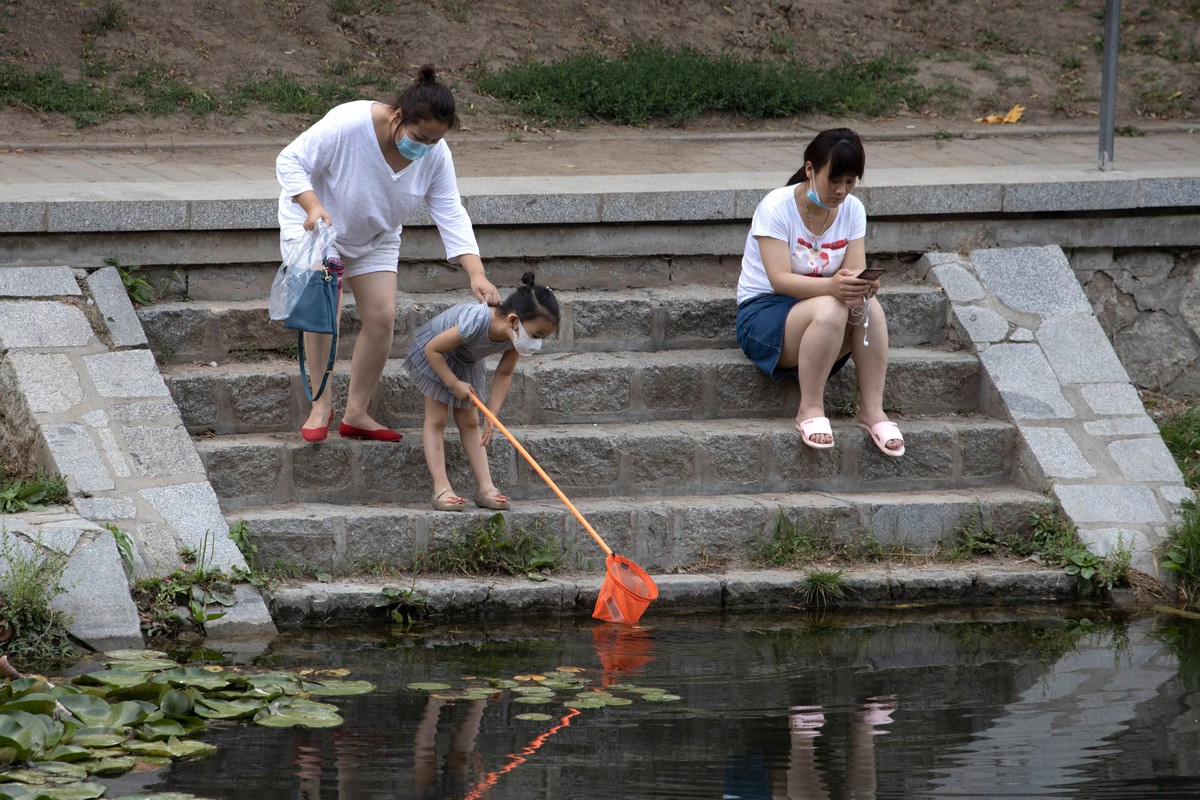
[
  {"x": 315, "y": 435},
  {"x": 380, "y": 435}
]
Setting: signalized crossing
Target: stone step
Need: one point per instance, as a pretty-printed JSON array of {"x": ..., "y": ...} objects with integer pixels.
[
  {"x": 647, "y": 319},
  {"x": 617, "y": 459},
  {"x": 658, "y": 534},
  {"x": 563, "y": 387}
]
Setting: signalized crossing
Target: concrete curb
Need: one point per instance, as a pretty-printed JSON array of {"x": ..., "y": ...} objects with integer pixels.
[{"x": 465, "y": 598}]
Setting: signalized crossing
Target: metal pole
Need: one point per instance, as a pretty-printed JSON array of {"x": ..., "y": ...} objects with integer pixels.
[{"x": 1108, "y": 82}]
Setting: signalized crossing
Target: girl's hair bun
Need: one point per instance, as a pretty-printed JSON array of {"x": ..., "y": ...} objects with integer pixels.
[
  {"x": 527, "y": 280},
  {"x": 426, "y": 74}
]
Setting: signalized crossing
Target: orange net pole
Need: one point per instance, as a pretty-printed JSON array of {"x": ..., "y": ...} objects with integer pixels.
[{"x": 488, "y": 413}]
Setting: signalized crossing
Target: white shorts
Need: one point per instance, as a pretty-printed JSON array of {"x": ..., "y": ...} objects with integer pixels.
[{"x": 384, "y": 258}]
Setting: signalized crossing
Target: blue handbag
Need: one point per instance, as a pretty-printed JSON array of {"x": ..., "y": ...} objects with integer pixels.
[{"x": 316, "y": 312}]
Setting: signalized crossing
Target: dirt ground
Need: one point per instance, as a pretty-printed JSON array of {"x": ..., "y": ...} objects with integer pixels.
[{"x": 983, "y": 56}]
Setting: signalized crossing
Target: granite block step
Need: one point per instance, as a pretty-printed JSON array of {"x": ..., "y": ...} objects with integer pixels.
[
  {"x": 660, "y": 534},
  {"x": 650, "y": 459},
  {"x": 551, "y": 388},
  {"x": 593, "y": 321}
]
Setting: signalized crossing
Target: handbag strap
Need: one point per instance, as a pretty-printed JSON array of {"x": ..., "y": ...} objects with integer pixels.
[
  {"x": 332, "y": 272},
  {"x": 312, "y": 398}
]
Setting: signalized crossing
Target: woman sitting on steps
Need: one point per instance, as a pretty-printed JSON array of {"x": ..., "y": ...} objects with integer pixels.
[{"x": 802, "y": 310}]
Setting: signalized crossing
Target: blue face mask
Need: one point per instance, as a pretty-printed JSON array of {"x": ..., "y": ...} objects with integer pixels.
[
  {"x": 410, "y": 149},
  {"x": 813, "y": 197}
]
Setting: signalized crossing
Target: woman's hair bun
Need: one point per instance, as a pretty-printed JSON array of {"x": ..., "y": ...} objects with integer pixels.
[
  {"x": 527, "y": 280},
  {"x": 426, "y": 74}
]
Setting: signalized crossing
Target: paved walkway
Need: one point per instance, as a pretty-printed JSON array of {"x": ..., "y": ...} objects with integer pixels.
[{"x": 627, "y": 152}]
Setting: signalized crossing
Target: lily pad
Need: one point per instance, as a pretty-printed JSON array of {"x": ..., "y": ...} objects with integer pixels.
[
  {"x": 62, "y": 769},
  {"x": 429, "y": 686},
  {"x": 34, "y": 703},
  {"x": 135, "y": 655},
  {"x": 532, "y": 690},
  {"x": 144, "y": 665},
  {"x": 661, "y": 698},
  {"x": 534, "y": 699},
  {"x": 72, "y": 791},
  {"x": 172, "y": 748},
  {"x": 99, "y": 737},
  {"x": 109, "y": 767},
  {"x": 227, "y": 709},
  {"x": 294, "y": 713},
  {"x": 617, "y": 701},
  {"x": 95, "y": 712},
  {"x": 339, "y": 688},
  {"x": 67, "y": 753},
  {"x": 160, "y": 729},
  {"x": 535, "y": 717},
  {"x": 585, "y": 703},
  {"x": 191, "y": 676}
]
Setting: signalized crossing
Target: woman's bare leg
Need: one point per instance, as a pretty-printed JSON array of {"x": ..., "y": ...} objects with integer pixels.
[
  {"x": 375, "y": 297},
  {"x": 870, "y": 361},
  {"x": 813, "y": 337}
]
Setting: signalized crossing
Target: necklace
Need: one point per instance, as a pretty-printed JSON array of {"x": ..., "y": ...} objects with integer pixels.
[{"x": 815, "y": 248}]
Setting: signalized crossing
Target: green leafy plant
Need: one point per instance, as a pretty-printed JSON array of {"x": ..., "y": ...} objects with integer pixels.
[
  {"x": 124, "y": 547},
  {"x": 1056, "y": 541},
  {"x": 30, "y": 579},
  {"x": 24, "y": 493},
  {"x": 140, "y": 292},
  {"x": 1181, "y": 433},
  {"x": 239, "y": 533},
  {"x": 1181, "y": 553},
  {"x": 403, "y": 606},
  {"x": 822, "y": 588}
]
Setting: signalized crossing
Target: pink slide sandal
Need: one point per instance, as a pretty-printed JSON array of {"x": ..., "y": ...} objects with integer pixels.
[
  {"x": 809, "y": 427},
  {"x": 884, "y": 432}
]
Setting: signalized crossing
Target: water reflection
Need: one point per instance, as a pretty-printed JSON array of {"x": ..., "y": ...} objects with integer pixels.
[{"x": 944, "y": 704}]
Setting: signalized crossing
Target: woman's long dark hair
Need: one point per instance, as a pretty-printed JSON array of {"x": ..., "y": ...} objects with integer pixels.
[{"x": 840, "y": 148}]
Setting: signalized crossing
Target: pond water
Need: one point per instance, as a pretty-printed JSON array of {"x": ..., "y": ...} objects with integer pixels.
[{"x": 942, "y": 703}]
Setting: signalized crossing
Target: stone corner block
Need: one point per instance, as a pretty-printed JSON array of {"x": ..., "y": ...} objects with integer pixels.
[{"x": 116, "y": 310}]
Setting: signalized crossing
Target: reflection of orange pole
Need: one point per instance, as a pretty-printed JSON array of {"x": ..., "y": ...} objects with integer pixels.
[
  {"x": 518, "y": 758},
  {"x": 488, "y": 413}
]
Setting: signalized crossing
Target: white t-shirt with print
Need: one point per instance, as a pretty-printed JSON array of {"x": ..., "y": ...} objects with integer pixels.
[{"x": 778, "y": 217}]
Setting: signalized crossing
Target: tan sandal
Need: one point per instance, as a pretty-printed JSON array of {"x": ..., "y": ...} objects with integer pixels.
[
  {"x": 488, "y": 500},
  {"x": 451, "y": 503}
]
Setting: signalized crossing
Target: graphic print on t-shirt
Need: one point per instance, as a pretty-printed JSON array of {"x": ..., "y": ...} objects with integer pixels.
[{"x": 818, "y": 260}]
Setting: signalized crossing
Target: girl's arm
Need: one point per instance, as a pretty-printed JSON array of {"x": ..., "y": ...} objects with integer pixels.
[
  {"x": 842, "y": 284},
  {"x": 435, "y": 353},
  {"x": 501, "y": 383}
]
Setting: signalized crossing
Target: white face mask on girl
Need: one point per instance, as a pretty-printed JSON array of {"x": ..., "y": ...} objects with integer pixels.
[{"x": 523, "y": 343}]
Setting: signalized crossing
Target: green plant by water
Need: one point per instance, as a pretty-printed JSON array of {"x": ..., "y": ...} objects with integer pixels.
[
  {"x": 495, "y": 548},
  {"x": 30, "y": 578},
  {"x": 1181, "y": 553}
]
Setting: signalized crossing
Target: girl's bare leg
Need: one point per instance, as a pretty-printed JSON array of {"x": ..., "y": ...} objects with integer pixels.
[
  {"x": 467, "y": 420},
  {"x": 433, "y": 437}
]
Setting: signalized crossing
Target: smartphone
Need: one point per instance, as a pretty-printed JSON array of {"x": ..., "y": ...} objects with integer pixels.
[{"x": 871, "y": 273}]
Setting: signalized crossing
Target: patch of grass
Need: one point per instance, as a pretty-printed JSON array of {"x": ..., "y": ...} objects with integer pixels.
[
  {"x": 653, "y": 82},
  {"x": 48, "y": 91},
  {"x": 163, "y": 93},
  {"x": 494, "y": 548},
  {"x": 112, "y": 17},
  {"x": 1181, "y": 433},
  {"x": 1130, "y": 131},
  {"x": 822, "y": 588},
  {"x": 1057, "y": 542},
  {"x": 30, "y": 579},
  {"x": 285, "y": 94},
  {"x": 1181, "y": 553},
  {"x": 790, "y": 544}
]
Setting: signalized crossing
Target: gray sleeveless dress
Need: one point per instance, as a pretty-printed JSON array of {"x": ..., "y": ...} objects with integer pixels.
[{"x": 466, "y": 361}]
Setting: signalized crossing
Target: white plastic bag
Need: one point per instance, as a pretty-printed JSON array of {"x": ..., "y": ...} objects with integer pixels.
[{"x": 308, "y": 254}]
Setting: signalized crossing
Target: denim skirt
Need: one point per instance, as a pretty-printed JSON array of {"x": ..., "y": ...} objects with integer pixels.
[{"x": 760, "y": 323}]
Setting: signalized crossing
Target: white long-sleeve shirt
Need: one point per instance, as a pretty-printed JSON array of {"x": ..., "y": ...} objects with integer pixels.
[{"x": 339, "y": 159}]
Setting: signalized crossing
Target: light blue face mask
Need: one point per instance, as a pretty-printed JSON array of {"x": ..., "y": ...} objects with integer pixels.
[
  {"x": 410, "y": 149},
  {"x": 813, "y": 197}
]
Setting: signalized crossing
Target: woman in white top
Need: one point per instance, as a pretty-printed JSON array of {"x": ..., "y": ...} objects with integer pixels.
[
  {"x": 362, "y": 169},
  {"x": 801, "y": 309}
]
